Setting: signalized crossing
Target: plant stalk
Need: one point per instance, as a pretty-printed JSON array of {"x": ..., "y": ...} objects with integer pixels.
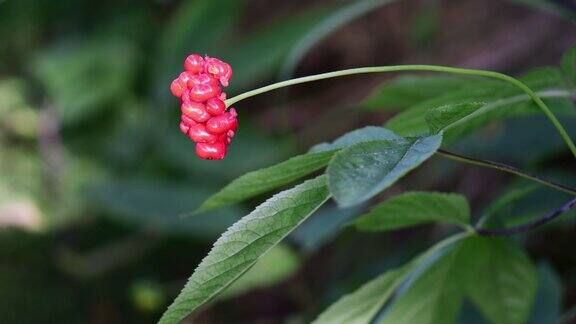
[
  {"x": 530, "y": 225},
  {"x": 432, "y": 68},
  {"x": 505, "y": 168}
]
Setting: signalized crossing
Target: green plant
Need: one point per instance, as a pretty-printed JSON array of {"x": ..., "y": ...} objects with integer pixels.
[{"x": 473, "y": 262}]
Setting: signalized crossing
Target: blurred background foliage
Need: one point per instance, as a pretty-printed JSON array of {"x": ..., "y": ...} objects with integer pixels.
[{"x": 96, "y": 183}]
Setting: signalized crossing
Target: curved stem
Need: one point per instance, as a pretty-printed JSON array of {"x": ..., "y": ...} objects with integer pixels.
[
  {"x": 433, "y": 68},
  {"x": 506, "y": 168},
  {"x": 530, "y": 225}
]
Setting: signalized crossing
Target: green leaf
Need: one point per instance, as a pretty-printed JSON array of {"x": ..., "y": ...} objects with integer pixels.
[
  {"x": 435, "y": 296},
  {"x": 264, "y": 180},
  {"x": 257, "y": 182},
  {"x": 274, "y": 267},
  {"x": 245, "y": 242},
  {"x": 505, "y": 282},
  {"x": 501, "y": 101},
  {"x": 412, "y": 122},
  {"x": 362, "y": 305},
  {"x": 408, "y": 90},
  {"x": 415, "y": 208},
  {"x": 361, "y": 171},
  {"x": 365, "y": 134},
  {"x": 442, "y": 117},
  {"x": 569, "y": 65}
]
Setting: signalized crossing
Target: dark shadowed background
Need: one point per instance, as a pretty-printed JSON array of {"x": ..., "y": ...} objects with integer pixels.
[{"x": 97, "y": 183}]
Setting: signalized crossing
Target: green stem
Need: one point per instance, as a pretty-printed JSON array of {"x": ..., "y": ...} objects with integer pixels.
[
  {"x": 506, "y": 168},
  {"x": 433, "y": 68}
]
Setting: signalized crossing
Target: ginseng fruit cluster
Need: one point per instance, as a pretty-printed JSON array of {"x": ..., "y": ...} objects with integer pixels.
[{"x": 204, "y": 117}]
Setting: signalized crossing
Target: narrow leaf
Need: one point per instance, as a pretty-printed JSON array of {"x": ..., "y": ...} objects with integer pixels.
[
  {"x": 412, "y": 122},
  {"x": 501, "y": 100},
  {"x": 245, "y": 242},
  {"x": 415, "y": 208},
  {"x": 435, "y": 295},
  {"x": 362, "y": 305},
  {"x": 277, "y": 265},
  {"x": 257, "y": 182},
  {"x": 505, "y": 282},
  {"x": 445, "y": 116},
  {"x": 264, "y": 180},
  {"x": 361, "y": 171}
]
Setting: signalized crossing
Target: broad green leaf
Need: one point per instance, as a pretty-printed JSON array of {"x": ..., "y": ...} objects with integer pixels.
[
  {"x": 264, "y": 180},
  {"x": 435, "y": 296},
  {"x": 569, "y": 65},
  {"x": 365, "y": 134},
  {"x": 505, "y": 282},
  {"x": 257, "y": 182},
  {"x": 362, "y": 305},
  {"x": 442, "y": 117},
  {"x": 361, "y": 171},
  {"x": 408, "y": 90},
  {"x": 82, "y": 79},
  {"x": 274, "y": 267},
  {"x": 413, "y": 208},
  {"x": 245, "y": 242}
]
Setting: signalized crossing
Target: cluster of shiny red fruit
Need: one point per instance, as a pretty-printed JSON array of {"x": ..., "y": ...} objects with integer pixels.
[{"x": 204, "y": 117}]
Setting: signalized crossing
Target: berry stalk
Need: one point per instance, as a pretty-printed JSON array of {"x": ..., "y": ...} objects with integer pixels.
[{"x": 431, "y": 68}]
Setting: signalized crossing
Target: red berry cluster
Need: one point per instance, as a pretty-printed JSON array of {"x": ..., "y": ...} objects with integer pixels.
[{"x": 204, "y": 117}]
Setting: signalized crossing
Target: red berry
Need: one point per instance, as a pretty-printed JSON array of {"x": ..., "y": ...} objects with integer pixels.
[
  {"x": 221, "y": 70},
  {"x": 185, "y": 77},
  {"x": 233, "y": 120},
  {"x": 184, "y": 127},
  {"x": 218, "y": 124},
  {"x": 200, "y": 79},
  {"x": 203, "y": 92},
  {"x": 221, "y": 124},
  {"x": 225, "y": 139},
  {"x": 187, "y": 120},
  {"x": 185, "y": 96},
  {"x": 194, "y": 63},
  {"x": 215, "y": 106},
  {"x": 195, "y": 110},
  {"x": 198, "y": 134},
  {"x": 216, "y": 151},
  {"x": 177, "y": 87}
]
